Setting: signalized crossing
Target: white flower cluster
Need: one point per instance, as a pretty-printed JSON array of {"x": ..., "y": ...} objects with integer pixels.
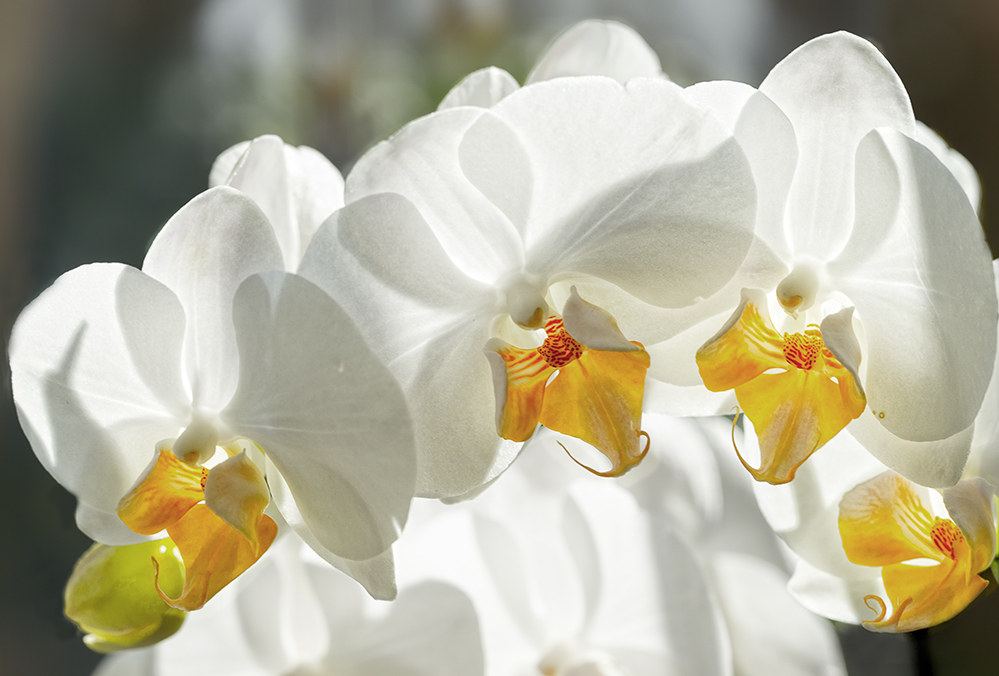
[{"x": 539, "y": 274}]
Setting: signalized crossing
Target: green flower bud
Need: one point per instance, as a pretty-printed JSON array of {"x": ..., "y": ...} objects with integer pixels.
[{"x": 111, "y": 595}]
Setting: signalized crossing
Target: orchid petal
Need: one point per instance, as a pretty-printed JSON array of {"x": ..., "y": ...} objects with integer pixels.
[
  {"x": 638, "y": 232},
  {"x": 957, "y": 163},
  {"x": 923, "y": 384},
  {"x": 834, "y": 89},
  {"x": 262, "y": 174},
  {"x": 594, "y": 47},
  {"x": 984, "y": 459},
  {"x": 609, "y": 531},
  {"x": 422, "y": 316},
  {"x": 411, "y": 289},
  {"x": 325, "y": 410},
  {"x": 432, "y": 629},
  {"x": 106, "y": 527},
  {"x": 695, "y": 624},
  {"x": 296, "y": 188},
  {"x": 770, "y": 631},
  {"x": 131, "y": 663},
  {"x": 767, "y": 137},
  {"x": 202, "y": 254},
  {"x": 279, "y": 612},
  {"x": 421, "y": 163},
  {"x": 833, "y": 596},
  {"x": 376, "y": 575},
  {"x": 483, "y": 88},
  {"x": 94, "y": 366},
  {"x": 494, "y": 160},
  {"x": 971, "y": 504},
  {"x": 317, "y": 188},
  {"x": 227, "y": 162}
]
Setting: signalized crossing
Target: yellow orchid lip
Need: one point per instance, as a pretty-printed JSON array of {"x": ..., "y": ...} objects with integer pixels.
[
  {"x": 795, "y": 390},
  {"x": 216, "y": 543},
  {"x": 884, "y": 522},
  {"x": 595, "y": 395}
]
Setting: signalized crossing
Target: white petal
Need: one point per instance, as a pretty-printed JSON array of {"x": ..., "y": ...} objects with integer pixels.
[
  {"x": 627, "y": 187},
  {"x": 771, "y": 633},
  {"x": 130, "y": 663},
  {"x": 205, "y": 250},
  {"x": 430, "y": 630},
  {"x": 215, "y": 641},
  {"x": 834, "y": 89},
  {"x": 971, "y": 504},
  {"x": 429, "y": 322},
  {"x": 317, "y": 188},
  {"x": 262, "y": 174},
  {"x": 597, "y": 48},
  {"x": 929, "y": 463},
  {"x": 695, "y": 622},
  {"x": 326, "y": 412},
  {"x": 957, "y": 163},
  {"x": 376, "y": 575},
  {"x": 767, "y": 137},
  {"x": 919, "y": 272},
  {"x": 225, "y": 163},
  {"x": 835, "y": 597},
  {"x": 95, "y": 368},
  {"x": 279, "y": 611},
  {"x": 421, "y": 163},
  {"x": 483, "y": 88},
  {"x": 984, "y": 459},
  {"x": 105, "y": 527},
  {"x": 625, "y": 614},
  {"x": 297, "y": 189},
  {"x": 495, "y": 161}
]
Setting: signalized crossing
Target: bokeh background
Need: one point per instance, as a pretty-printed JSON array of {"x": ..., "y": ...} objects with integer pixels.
[{"x": 111, "y": 112}]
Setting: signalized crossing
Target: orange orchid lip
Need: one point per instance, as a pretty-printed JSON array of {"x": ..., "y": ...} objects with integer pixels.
[
  {"x": 885, "y": 522},
  {"x": 793, "y": 388},
  {"x": 595, "y": 394},
  {"x": 170, "y": 497}
]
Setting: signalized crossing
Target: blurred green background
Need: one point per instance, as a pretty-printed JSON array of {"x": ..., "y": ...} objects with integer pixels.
[{"x": 111, "y": 112}]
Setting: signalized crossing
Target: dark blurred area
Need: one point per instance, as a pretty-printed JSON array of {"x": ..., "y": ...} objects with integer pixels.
[{"x": 112, "y": 111}]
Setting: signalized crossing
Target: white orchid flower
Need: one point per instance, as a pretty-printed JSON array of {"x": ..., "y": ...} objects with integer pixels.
[
  {"x": 129, "y": 382},
  {"x": 591, "y": 47},
  {"x": 880, "y": 550},
  {"x": 293, "y": 614},
  {"x": 885, "y": 312},
  {"x": 470, "y": 226},
  {"x": 297, "y": 188}
]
